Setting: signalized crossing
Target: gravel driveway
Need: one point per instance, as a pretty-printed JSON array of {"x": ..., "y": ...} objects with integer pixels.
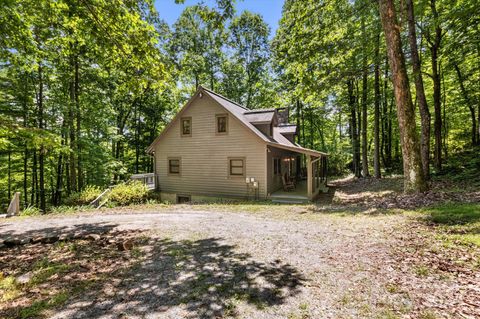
[{"x": 212, "y": 264}]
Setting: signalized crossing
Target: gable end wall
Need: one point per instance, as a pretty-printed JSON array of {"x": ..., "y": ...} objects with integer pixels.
[{"x": 204, "y": 155}]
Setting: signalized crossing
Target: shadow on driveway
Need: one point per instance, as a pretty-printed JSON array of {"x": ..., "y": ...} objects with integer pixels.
[{"x": 190, "y": 279}]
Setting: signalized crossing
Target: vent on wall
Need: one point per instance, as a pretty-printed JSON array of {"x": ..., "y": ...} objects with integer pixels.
[{"x": 182, "y": 199}]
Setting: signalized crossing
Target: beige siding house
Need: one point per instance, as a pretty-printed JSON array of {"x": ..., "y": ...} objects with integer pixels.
[{"x": 217, "y": 148}]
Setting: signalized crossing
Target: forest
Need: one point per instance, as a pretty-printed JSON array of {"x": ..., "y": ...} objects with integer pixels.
[{"x": 386, "y": 87}]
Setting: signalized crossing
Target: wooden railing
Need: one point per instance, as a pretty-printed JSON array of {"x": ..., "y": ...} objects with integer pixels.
[
  {"x": 148, "y": 179},
  {"x": 97, "y": 202}
]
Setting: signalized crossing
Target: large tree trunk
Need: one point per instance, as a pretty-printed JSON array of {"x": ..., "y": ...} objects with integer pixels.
[
  {"x": 414, "y": 179},
  {"x": 419, "y": 89},
  {"x": 468, "y": 101},
  {"x": 376, "y": 133}
]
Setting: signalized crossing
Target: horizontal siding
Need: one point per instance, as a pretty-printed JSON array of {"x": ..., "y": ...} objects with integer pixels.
[{"x": 204, "y": 155}]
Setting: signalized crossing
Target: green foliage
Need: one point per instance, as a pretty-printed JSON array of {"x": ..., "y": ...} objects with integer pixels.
[
  {"x": 36, "y": 308},
  {"x": 85, "y": 197},
  {"x": 464, "y": 166},
  {"x": 459, "y": 222},
  {"x": 134, "y": 192},
  {"x": 8, "y": 288},
  {"x": 31, "y": 211}
]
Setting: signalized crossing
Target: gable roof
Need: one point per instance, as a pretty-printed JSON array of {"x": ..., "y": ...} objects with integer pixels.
[{"x": 246, "y": 117}]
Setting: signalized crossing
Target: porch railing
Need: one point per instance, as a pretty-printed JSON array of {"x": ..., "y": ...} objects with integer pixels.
[{"x": 148, "y": 179}]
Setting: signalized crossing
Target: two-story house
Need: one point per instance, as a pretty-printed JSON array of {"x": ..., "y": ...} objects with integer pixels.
[{"x": 216, "y": 148}]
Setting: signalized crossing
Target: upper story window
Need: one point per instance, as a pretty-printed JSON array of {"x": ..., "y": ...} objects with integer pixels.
[
  {"x": 186, "y": 127},
  {"x": 221, "y": 123}
]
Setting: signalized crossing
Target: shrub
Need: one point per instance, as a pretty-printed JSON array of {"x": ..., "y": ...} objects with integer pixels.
[
  {"x": 85, "y": 197},
  {"x": 31, "y": 211},
  {"x": 133, "y": 192}
]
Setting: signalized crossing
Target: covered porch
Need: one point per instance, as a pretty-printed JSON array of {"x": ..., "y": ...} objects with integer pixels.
[{"x": 302, "y": 174}]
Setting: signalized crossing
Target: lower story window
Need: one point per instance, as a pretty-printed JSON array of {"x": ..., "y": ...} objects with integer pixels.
[
  {"x": 236, "y": 167},
  {"x": 174, "y": 166}
]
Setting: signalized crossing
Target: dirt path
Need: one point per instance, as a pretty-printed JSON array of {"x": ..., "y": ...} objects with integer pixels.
[
  {"x": 208, "y": 264},
  {"x": 353, "y": 255}
]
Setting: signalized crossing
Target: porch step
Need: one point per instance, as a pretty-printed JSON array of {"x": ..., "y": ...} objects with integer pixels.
[
  {"x": 286, "y": 199},
  {"x": 289, "y": 201}
]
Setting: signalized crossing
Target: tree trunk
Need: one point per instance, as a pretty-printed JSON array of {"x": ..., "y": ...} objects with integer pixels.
[
  {"x": 468, "y": 102},
  {"x": 354, "y": 130},
  {"x": 57, "y": 199},
  {"x": 376, "y": 133},
  {"x": 437, "y": 103},
  {"x": 420, "y": 91},
  {"x": 386, "y": 123},
  {"x": 71, "y": 125},
  {"x": 25, "y": 179},
  {"x": 41, "y": 157},
  {"x": 34, "y": 195},
  {"x": 9, "y": 174},
  {"x": 79, "y": 121},
  {"x": 136, "y": 138},
  {"x": 364, "y": 105},
  {"x": 414, "y": 180},
  {"x": 478, "y": 121}
]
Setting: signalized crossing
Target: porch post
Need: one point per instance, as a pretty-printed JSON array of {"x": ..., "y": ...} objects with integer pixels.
[{"x": 309, "y": 177}]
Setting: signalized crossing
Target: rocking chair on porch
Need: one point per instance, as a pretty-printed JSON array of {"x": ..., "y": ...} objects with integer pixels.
[{"x": 287, "y": 185}]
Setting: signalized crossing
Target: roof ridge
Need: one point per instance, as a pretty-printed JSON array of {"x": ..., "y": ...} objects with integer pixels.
[{"x": 223, "y": 97}]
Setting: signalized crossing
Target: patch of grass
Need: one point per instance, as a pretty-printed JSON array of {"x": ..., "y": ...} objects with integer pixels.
[
  {"x": 34, "y": 310},
  {"x": 421, "y": 271},
  {"x": 427, "y": 314},
  {"x": 9, "y": 288},
  {"x": 460, "y": 223},
  {"x": 31, "y": 211},
  {"x": 46, "y": 269},
  {"x": 392, "y": 288},
  {"x": 387, "y": 314}
]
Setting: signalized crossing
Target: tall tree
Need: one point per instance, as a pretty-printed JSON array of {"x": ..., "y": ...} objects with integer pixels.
[
  {"x": 434, "y": 40},
  {"x": 419, "y": 88},
  {"x": 249, "y": 40},
  {"x": 364, "y": 125},
  {"x": 414, "y": 179},
  {"x": 376, "y": 133}
]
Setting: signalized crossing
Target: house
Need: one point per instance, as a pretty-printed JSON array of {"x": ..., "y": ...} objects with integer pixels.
[{"x": 217, "y": 148}]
